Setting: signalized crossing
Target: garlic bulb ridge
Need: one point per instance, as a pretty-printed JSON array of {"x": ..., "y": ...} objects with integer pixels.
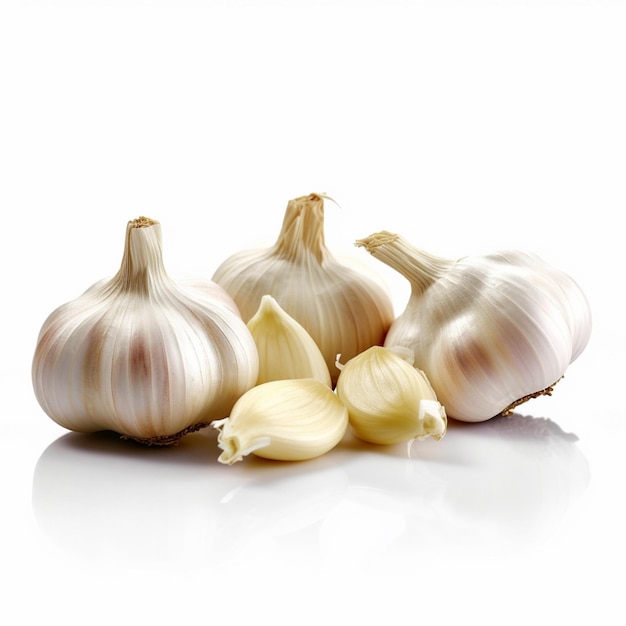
[
  {"x": 488, "y": 331},
  {"x": 141, "y": 355},
  {"x": 344, "y": 310}
]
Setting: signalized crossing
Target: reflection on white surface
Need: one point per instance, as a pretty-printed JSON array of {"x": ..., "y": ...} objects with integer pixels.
[{"x": 482, "y": 488}]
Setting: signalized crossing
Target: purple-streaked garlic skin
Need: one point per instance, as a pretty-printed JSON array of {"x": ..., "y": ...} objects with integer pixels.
[
  {"x": 487, "y": 330},
  {"x": 141, "y": 355}
]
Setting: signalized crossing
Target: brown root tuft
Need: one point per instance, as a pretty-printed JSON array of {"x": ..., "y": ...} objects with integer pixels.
[
  {"x": 544, "y": 392},
  {"x": 168, "y": 440}
]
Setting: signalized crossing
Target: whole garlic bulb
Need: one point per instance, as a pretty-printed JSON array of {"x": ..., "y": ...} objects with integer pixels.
[
  {"x": 141, "y": 355},
  {"x": 489, "y": 331},
  {"x": 344, "y": 310}
]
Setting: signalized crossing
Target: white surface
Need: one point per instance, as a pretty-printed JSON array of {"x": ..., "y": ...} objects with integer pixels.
[{"x": 466, "y": 129}]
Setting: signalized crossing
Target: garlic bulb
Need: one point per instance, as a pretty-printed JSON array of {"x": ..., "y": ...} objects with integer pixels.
[
  {"x": 284, "y": 420},
  {"x": 489, "y": 331},
  {"x": 344, "y": 310},
  {"x": 140, "y": 355},
  {"x": 388, "y": 400},
  {"x": 285, "y": 349}
]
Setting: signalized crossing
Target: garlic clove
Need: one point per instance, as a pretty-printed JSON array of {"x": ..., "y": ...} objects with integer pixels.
[
  {"x": 283, "y": 420},
  {"x": 285, "y": 348},
  {"x": 343, "y": 308},
  {"x": 489, "y": 331},
  {"x": 140, "y": 355},
  {"x": 388, "y": 400}
]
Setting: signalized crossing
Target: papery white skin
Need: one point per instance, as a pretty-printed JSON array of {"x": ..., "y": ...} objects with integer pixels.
[
  {"x": 489, "y": 330},
  {"x": 285, "y": 348},
  {"x": 389, "y": 401},
  {"x": 283, "y": 420},
  {"x": 139, "y": 354},
  {"x": 343, "y": 309}
]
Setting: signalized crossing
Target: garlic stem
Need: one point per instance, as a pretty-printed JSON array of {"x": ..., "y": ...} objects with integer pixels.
[
  {"x": 302, "y": 232},
  {"x": 420, "y": 268},
  {"x": 142, "y": 265}
]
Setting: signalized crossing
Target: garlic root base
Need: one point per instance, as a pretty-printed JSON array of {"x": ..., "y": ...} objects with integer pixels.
[
  {"x": 544, "y": 392},
  {"x": 168, "y": 440}
]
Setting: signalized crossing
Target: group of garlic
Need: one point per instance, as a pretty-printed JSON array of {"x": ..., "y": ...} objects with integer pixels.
[{"x": 285, "y": 348}]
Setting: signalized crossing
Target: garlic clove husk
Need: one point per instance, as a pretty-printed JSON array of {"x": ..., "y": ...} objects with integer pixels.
[
  {"x": 283, "y": 420},
  {"x": 343, "y": 308},
  {"x": 139, "y": 354},
  {"x": 388, "y": 400},
  {"x": 489, "y": 331},
  {"x": 285, "y": 348}
]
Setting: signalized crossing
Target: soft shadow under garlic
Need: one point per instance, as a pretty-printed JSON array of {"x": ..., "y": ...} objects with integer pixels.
[
  {"x": 537, "y": 429},
  {"x": 111, "y": 501},
  {"x": 189, "y": 450},
  {"x": 519, "y": 472},
  {"x": 484, "y": 489}
]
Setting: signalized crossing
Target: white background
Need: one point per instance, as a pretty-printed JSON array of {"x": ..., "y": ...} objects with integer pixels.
[{"x": 465, "y": 126}]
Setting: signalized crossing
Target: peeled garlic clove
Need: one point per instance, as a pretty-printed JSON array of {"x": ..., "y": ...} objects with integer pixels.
[
  {"x": 283, "y": 420},
  {"x": 343, "y": 309},
  {"x": 285, "y": 349},
  {"x": 388, "y": 400},
  {"x": 140, "y": 355},
  {"x": 489, "y": 331}
]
